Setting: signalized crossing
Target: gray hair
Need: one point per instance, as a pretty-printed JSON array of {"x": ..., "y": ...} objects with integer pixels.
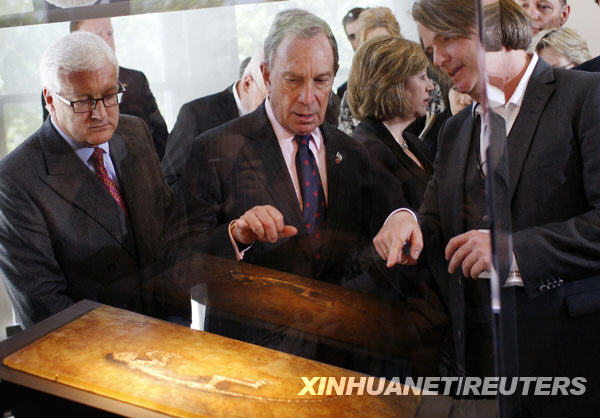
[
  {"x": 77, "y": 51},
  {"x": 298, "y": 23}
]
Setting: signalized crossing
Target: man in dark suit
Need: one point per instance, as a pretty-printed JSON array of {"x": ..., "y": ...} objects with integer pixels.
[
  {"x": 200, "y": 115},
  {"x": 278, "y": 187},
  {"x": 83, "y": 204},
  {"x": 138, "y": 100},
  {"x": 547, "y": 170}
]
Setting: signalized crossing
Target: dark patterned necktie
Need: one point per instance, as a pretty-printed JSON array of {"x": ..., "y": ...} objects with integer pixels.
[
  {"x": 313, "y": 197},
  {"x": 103, "y": 176}
]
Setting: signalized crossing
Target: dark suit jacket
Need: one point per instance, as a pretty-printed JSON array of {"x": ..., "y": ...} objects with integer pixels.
[
  {"x": 63, "y": 237},
  {"x": 239, "y": 165},
  {"x": 139, "y": 101},
  {"x": 592, "y": 65},
  {"x": 393, "y": 164},
  {"x": 549, "y": 197},
  {"x": 194, "y": 118}
]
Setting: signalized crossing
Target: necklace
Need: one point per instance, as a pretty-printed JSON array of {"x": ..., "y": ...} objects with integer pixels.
[{"x": 403, "y": 145}]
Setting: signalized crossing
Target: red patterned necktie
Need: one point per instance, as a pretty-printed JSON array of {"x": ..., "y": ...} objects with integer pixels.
[{"x": 103, "y": 176}]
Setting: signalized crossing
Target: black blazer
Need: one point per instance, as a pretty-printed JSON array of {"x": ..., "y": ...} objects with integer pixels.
[
  {"x": 194, "y": 118},
  {"x": 387, "y": 156},
  {"x": 239, "y": 165},
  {"x": 548, "y": 180},
  {"x": 391, "y": 166},
  {"x": 62, "y": 236}
]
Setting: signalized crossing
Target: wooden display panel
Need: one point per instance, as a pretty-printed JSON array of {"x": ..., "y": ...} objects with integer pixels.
[
  {"x": 176, "y": 371},
  {"x": 343, "y": 317}
]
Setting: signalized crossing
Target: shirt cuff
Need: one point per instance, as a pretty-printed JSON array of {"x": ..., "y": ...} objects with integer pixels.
[
  {"x": 401, "y": 210},
  {"x": 239, "y": 255}
]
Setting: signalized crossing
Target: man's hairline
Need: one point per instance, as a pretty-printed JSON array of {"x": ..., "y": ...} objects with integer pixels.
[{"x": 293, "y": 36}]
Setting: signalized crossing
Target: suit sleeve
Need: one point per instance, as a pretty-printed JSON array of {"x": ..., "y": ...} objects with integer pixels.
[
  {"x": 154, "y": 119},
  {"x": 180, "y": 144},
  {"x": 429, "y": 219},
  {"x": 569, "y": 249},
  {"x": 387, "y": 187},
  {"x": 202, "y": 194},
  {"x": 33, "y": 278}
]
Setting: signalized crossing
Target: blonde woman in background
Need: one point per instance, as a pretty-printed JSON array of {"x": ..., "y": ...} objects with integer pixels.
[{"x": 562, "y": 47}]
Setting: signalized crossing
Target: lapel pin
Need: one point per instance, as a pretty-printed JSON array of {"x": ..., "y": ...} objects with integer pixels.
[{"x": 338, "y": 158}]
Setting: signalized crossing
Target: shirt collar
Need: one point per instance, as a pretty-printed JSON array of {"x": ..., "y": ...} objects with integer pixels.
[
  {"x": 83, "y": 151},
  {"x": 496, "y": 96},
  {"x": 282, "y": 134}
]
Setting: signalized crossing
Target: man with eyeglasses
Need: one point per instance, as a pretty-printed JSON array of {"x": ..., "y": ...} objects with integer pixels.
[
  {"x": 139, "y": 101},
  {"x": 83, "y": 203}
]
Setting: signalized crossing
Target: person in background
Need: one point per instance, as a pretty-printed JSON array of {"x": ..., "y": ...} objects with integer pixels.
[
  {"x": 243, "y": 66},
  {"x": 350, "y": 24},
  {"x": 458, "y": 101},
  {"x": 546, "y": 14},
  {"x": 561, "y": 48},
  {"x": 204, "y": 113},
  {"x": 388, "y": 90},
  {"x": 373, "y": 22},
  {"x": 139, "y": 100}
]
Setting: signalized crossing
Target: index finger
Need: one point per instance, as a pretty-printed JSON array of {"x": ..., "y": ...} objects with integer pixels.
[{"x": 454, "y": 244}]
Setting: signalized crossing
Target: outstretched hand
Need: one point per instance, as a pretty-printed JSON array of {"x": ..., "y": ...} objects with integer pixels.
[
  {"x": 262, "y": 223},
  {"x": 400, "y": 230}
]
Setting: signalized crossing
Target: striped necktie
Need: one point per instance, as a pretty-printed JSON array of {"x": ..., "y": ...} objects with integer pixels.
[{"x": 102, "y": 175}]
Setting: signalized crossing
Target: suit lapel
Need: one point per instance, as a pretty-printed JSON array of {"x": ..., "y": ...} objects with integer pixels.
[
  {"x": 537, "y": 94},
  {"x": 335, "y": 170},
  {"x": 264, "y": 155},
  {"x": 72, "y": 180},
  {"x": 226, "y": 104},
  {"x": 126, "y": 167},
  {"x": 451, "y": 196}
]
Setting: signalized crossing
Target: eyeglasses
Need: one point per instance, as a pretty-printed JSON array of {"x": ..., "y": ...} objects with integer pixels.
[{"x": 83, "y": 106}]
